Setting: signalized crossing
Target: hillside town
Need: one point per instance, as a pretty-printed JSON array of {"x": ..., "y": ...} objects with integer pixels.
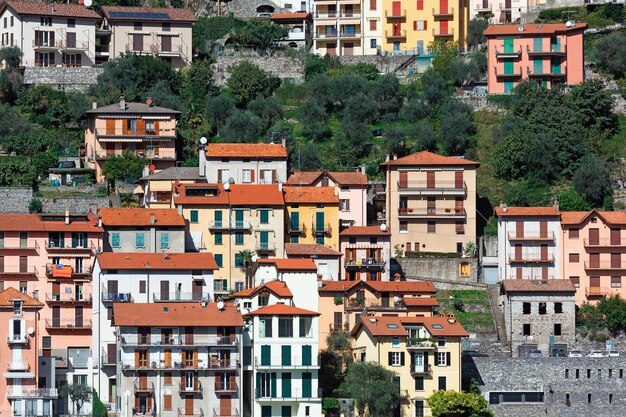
[{"x": 332, "y": 208}]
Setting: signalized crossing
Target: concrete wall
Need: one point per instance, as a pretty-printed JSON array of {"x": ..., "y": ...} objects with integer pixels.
[
  {"x": 77, "y": 79},
  {"x": 448, "y": 269},
  {"x": 603, "y": 379}
]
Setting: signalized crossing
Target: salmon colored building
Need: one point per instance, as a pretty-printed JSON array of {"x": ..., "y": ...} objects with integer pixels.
[{"x": 547, "y": 54}]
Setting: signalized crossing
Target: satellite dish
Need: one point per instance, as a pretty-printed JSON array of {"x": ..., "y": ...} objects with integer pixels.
[
  {"x": 30, "y": 331},
  {"x": 383, "y": 227},
  {"x": 226, "y": 186},
  {"x": 203, "y": 140},
  {"x": 569, "y": 23},
  {"x": 255, "y": 258},
  {"x": 220, "y": 305},
  {"x": 88, "y": 3}
]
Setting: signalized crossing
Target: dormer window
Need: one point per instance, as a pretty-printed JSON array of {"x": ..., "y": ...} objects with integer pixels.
[
  {"x": 17, "y": 307},
  {"x": 264, "y": 300}
]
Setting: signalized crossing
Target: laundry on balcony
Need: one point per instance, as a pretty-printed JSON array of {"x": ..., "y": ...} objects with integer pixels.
[{"x": 61, "y": 271}]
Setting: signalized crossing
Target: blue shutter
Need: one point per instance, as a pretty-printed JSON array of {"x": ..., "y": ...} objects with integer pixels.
[
  {"x": 286, "y": 355},
  {"x": 286, "y": 384},
  {"x": 115, "y": 239},
  {"x": 139, "y": 240},
  {"x": 265, "y": 216},
  {"x": 306, "y": 355},
  {"x": 218, "y": 238},
  {"x": 165, "y": 240},
  {"x": 218, "y": 259},
  {"x": 266, "y": 355},
  {"x": 307, "y": 389},
  {"x": 194, "y": 216}
]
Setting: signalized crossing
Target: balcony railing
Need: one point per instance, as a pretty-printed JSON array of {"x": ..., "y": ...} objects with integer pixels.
[
  {"x": 552, "y": 51},
  {"x": 225, "y": 225},
  {"x": 19, "y": 246},
  {"x": 517, "y": 72},
  {"x": 321, "y": 228},
  {"x": 17, "y": 392},
  {"x": 453, "y": 213},
  {"x": 18, "y": 339},
  {"x": 138, "y": 135},
  {"x": 531, "y": 256},
  {"x": 483, "y": 9},
  {"x": 605, "y": 243},
  {"x": 226, "y": 386},
  {"x": 196, "y": 412},
  {"x": 598, "y": 291},
  {"x": 443, "y": 11},
  {"x": 365, "y": 263},
  {"x": 295, "y": 362},
  {"x": 355, "y": 303},
  {"x": 67, "y": 272},
  {"x": 73, "y": 46},
  {"x": 420, "y": 370},
  {"x": 538, "y": 276},
  {"x": 416, "y": 344},
  {"x": 395, "y": 14},
  {"x": 46, "y": 44},
  {"x": 180, "y": 297},
  {"x": 67, "y": 298},
  {"x": 143, "y": 411},
  {"x": 265, "y": 247},
  {"x": 53, "y": 246},
  {"x": 195, "y": 388},
  {"x": 443, "y": 32},
  {"x": 68, "y": 324},
  {"x": 395, "y": 34},
  {"x": 437, "y": 188},
  {"x": 28, "y": 272},
  {"x": 144, "y": 386},
  {"x": 106, "y": 360},
  {"x": 299, "y": 228},
  {"x": 607, "y": 265},
  {"x": 531, "y": 236},
  {"x": 18, "y": 366},
  {"x": 503, "y": 53},
  {"x": 554, "y": 72},
  {"x": 116, "y": 297},
  {"x": 220, "y": 413},
  {"x": 103, "y": 155},
  {"x": 180, "y": 340}
]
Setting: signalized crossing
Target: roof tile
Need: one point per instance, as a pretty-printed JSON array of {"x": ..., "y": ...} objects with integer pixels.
[
  {"x": 527, "y": 285},
  {"x": 245, "y": 150},
  {"x": 156, "y": 261},
  {"x": 378, "y": 325},
  {"x": 38, "y": 8},
  {"x": 527, "y": 211},
  {"x": 341, "y": 178},
  {"x": 174, "y": 14},
  {"x": 282, "y": 310},
  {"x": 9, "y": 294},
  {"x": 293, "y": 264},
  {"x": 279, "y": 288},
  {"x": 429, "y": 158},
  {"x": 309, "y": 249},
  {"x": 113, "y": 217},
  {"x": 175, "y": 314},
  {"x": 532, "y": 29},
  {"x": 238, "y": 195},
  {"x": 364, "y": 231},
  {"x": 303, "y": 195}
]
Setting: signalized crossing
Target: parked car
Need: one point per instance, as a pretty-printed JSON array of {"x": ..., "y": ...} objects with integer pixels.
[
  {"x": 558, "y": 352},
  {"x": 613, "y": 354},
  {"x": 536, "y": 353},
  {"x": 596, "y": 354},
  {"x": 575, "y": 353}
]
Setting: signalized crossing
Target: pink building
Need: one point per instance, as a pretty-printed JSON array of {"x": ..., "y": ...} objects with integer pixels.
[{"x": 548, "y": 54}]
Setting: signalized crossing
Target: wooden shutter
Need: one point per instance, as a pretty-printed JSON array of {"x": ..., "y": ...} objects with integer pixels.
[
  {"x": 136, "y": 359},
  {"x": 195, "y": 358},
  {"x": 141, "y": 127},
  {"x": 616, "y": 260},
  {"x": 543, "y": 229},
  {"x": 518, "y": 273},
  {"x": 23, "y": 264},
  {"x": 401, "y": 358},
  {"x": 594, "y": 282},
  {"x": 544, "y": 272},
  {"x": 389, "y": 358},
  {"x": 544, "y": 251},
  {"x": 519, "y": 229},
  {"x": 111, "y": 353},
  {"x": 167, "y": 401},
  {"x": 594, "y": 236},
  {"x": 156, "y": 127},
  {"x": 425, "y": 24},
  {"x": 251, "y": 175},
  {"x": 616, "y": 238},
  {"x": 448, "y": 359},
  {"x": 110, "y": 126},
  {"x": 71, "y": 39},
  {"x": 420, "y": 4},
  {"x": 52, "y": 43},
  {"x": 518, "y": 251},
  {"x": 458, "y": 179},
  {"x": 404, "y": 179},
  {"x": 594, "y": 260},
  {"x": 430, "y": 179}
]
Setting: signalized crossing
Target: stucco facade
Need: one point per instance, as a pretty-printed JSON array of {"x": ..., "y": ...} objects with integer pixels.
[
  {"x": 339, "y": 28},
  {"x": 367, "y": 251}
]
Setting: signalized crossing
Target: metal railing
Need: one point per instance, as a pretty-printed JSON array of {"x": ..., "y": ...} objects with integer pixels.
[
  {"x": 443, "y": 11},
  {"x": 105, "y": 359},
  {"x": 295, "y": 361},
  {"x": 321, "y": 228},
  {"x": 299, "y": 228},
  {"x": 506, "y": 74},
  {"x": 531, "y": 236},
  {"x": 226, "y": 386},
  {"x": 438, "y": 187},
  {"x": 68, "y": 324},
  {"x": 608, "y": 265},
  {"x": 180, "y": 340},
  {"x": 400, "y": 33},
  {"x": 219, "y": 413},
  {"x": 143, "y": 411},
  {"x": 395, "y": 14},
  {"x": 22, "y": 392},
  {"x": 265, "y": 247},
  {"x": 500, "y": 52},
  {"x": 605, "y": 242},
  {"x": 561, "y": 71},
  {"x": 196, "y": 387},
  {"x": 234, "y": 224},
  {"x": 421, "y": 369},
  {"x": 22, "y": 245},
  {"x": 598, "y": 291},
  {"x": 144, "y": 386},
  {"x": 30, "y": 270},
  {"x": 115, "y": 297},
  {"x": 553, "y": 50},
  {"x": 426, "y": 212},
  {"x": 181, "y": 296},
  {"x": 531, "y": 256},
  {"x": 18, "y": 366},
  {"x": 196, "y": 411},
  {"x": 130, "y": 133},
  {"x": 443, "y": 32},
  {"x": 18, "y": 339},
  {"x": 68, "y": 298},
  {"x": 365, "y": 263}
]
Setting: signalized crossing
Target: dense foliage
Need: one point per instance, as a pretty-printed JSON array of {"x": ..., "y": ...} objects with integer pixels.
[
  {"x": 458, "y": 404},
  {"x": 608, "y": 313}
]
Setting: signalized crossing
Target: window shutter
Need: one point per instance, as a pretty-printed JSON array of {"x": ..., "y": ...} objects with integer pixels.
[
  {"x": 167, "y": 402},
  {"x": 251, "y": 175},
  {"x": 273, "y": 384},
  {"x": 425, "y": 24},
  {"x": 390, "y": 358},
  {"x": 348, "y": 205},
  {"x": 195, "y": 358},
  {"x": 258, "y": 385},
  {"x": 448, "y": 356},
  {"x": 156, "y": 127},
  {"x": 52, "y": 43},
  {"x": 74, "y": 240},
  {"x": 402, "y": 358},
  {"x": 218, "y": 379},
  {"x": 426, "y": 361},
  {"x": 136, "y": 359},
  {"x": 412, "y": 361},
  {"x": 415, "y": 25}
]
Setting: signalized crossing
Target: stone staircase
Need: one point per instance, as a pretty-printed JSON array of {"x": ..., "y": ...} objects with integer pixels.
[{"x": 497, "y": 312}]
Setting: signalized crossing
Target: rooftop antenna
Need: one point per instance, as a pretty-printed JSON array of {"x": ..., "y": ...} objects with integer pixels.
[{"x": 570, "y": 22}]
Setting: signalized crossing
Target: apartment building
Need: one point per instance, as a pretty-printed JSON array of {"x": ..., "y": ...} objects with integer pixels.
[
  {"x": 160, "y": 32},
  {"x": 342, "y": 302},
  {"x": 132, "y": 278},
  {"x": 229, "y": 219},
  {"x": 500, "y": 11},
  {"x": 352, "y": 192},
  {"x": 425, "y": 353},
  {"x": 178, "y": 359},
  {"x": 411, "y": 27},
  {"x": 243, "y": 163},
  {"x": 49, "y": 34},
  {"x": 313, "y": 214},
  {"x": 326, "y": 259},
  {"x": 300, "y": 27},
  {"x": 431, "y": 202},
  {"x": 142, "y": 230},
  {"x": 339, "y": 28},
  {"x": 367, "y": 250},
  {"x": 28, "y": 380},
  {"x": 156, "y": 190},
  {"x": 529, "y": 242},
  {"x": 300, "y": 275},
  {"x": 550, "y": 55},
  {"x": 142, "y": 129}
]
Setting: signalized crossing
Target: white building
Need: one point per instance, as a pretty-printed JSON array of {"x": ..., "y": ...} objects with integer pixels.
[
  {"x": 300, "y": 275},
  {"x": 529, "y": 239},
  {"x": 327, "y": 260},
  {"x": 49, "y": 34},
  {"x": 140, "y": 278}
]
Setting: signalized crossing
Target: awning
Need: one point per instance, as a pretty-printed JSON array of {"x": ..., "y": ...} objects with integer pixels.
[
  {"x": 196, "y": 238},
  {"x": 162, "y": 186},
  {"x": 364, "y": 246},
  {"x": 350, "y": 22},
  {"x": 318, "y": 2},
  {"x": 118, "y": 139},
  {"x": 350, "y": 1},
  {"x": 18, "y": 375},
  {"x": 138, "y": 190}
]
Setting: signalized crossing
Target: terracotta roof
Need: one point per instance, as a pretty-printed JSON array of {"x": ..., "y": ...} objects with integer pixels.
[
  {"x": 140, "y": 217},
  {"x": 309, "y": 249},
  {"x": 532, "y": 29},
  {"x": 341, "y": 178},
  {"x": 175, "y": 314},
  {"x": 310, "y": 195},
  {"x": 289, "y": 16},
  {"x": 239, "y": 195},
  {"x": 132, "y": 108},
  {"x": 9, "y": 294},
  {"x": 429, "y": 158},
  {"x": 21, "y": 222},
  {"x": 89, "y": 226},
  {"x": 527, "y": 285},
  {"x": 421, "y": 301},
  {"x": 527, "y": 211},
  {"x": 379, "y": 326},
  {"x": 578, "y": 217},
  {"x": 156, "y": 261},
  {"x": 245, "y": 150},
  {"x": 39, "y": 8},
  {"x": 173, "y": 14},
  {"x": 35, "y": 223},
  {"x": 282, "y": 310},
  {"x": 279, "y": 288},
  {"x": 402, "y": 286},
  {"x": 364, "y": 231},
  {"x": 336, "y": 286},
  {"x": 293, "y": 264}
]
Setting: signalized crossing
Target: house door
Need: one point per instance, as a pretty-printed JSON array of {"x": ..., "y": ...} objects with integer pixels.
[
  {"x": 395, "y": 8},
  {"x": 196, "y": 289},
  {"x": 23, "y": 264},
  {"x": 264, "y": 240},
  {"x": 56, "y": 316},
  {"x": 543, "y": 229},
  {"x": 225, "y": 404},
  {"x": 443, "y": 6},
  {"x": 331, "y": 49},
  {"x": 443, "y": 26},
  {"x": 188, "y": 405},
  {"x": 165, "y": 290},
  {"x": 404, "y": 179},
  {"x": 616, "y": 238},
  {"x": 166, "y": 43},
  {"x": 430, "y": 179},
  {"x": 111, "y": 290},
  {"x": 384, "y": 299},
  {"x": 594, "y": 260},
  {"x": 348, "y": 49},
  {"x": 519, "y": 229},
  {"x": 78, "y": 316},
  {"x": 239, "y": 218},
  {"x": 56, "y": 291},
  {"x": 137, "y": 42},
  {"x": 594, "y": 237}
]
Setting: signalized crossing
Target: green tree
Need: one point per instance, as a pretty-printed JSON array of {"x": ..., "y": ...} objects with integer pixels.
[
  {"x": 262, "y": 33},
  {"x": 99, "y": 409},
  {"x": 444, "y": 55},
  {"x": 475, "y": 32},
  {"x": 594, "y": 105},
  {"x": 16, "y": 171},
  {"x": 434, "y": 88},
  {"x": 385, "y": 92},
  {"x": 613, "y": 309},
  {"x": 43, "y": 161},
  {"x": 610, "y": 54},
  {"x": 207, "y": 30},
  {"x": 455, "y": 126},
  {"x": 247, "y": 81},
  {"x": 414, "y": 110},
  {"x": 458, "y": 404},
  {"x": 308, "y": 158},
  {"x": 11, "y": 57},
  {"x": 242, "y": 126},
  {"x": 592, "y": 179},
  {"x": 423, "y": 136},
  {"x": 395, "y": 141},
  {"x": 35, "y": 206},
  {"x": 78, "y": 393},
  {"x": 197, "y": 82},
  {"x": 314, "y": 120},
  {"x": 373, "y": 388},
  {"x": 268, "y": 109},
  {"x": 218, "y": 110},
  {"x": 570, "y": 200},
  {"x": 123, "y": 166},
  {"x": 360, "y": 108}
]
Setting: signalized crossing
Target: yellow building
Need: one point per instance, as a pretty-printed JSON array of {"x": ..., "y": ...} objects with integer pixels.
[
  {"x": 425, "y": 353},
  {"x": 227, "y": 221},
  {"x": 313, "y": 215},
  {"x": 412, "y": 26}
]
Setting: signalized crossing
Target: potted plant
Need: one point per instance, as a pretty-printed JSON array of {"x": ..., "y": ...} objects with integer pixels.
[{"x": 338, "y": 300}]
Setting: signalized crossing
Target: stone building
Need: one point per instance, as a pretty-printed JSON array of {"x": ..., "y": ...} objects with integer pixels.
[{"x": 539, "y": 314}]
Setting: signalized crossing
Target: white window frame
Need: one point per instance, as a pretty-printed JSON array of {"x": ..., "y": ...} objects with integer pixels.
[
  {"x": 246, "y": 176},
  {"x": 442, "y": 359},
  {"x": 396, "y": 359}
]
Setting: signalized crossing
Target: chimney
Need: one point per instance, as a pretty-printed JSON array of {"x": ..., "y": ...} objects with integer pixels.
[
  {"x": 67, "y": 217},
  {"x": 556, "y": 205},
  {"x": 284, "y": 142},
  {"x": 501, "y": 203},
  {"x": 122, "y": 103},
  {"x": 395, "y": 156},
  {"x": 363, "y": 168},
  {"x": 280, "y": 187},
  {"x": 152, "y": 219},
  {"x": 386, "y": 157},
  {"x": 149, "y": 101},
  {"x": 94, "y": 105}
]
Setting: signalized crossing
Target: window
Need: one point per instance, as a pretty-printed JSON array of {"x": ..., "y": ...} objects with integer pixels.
[
  {"x": 220, "y": 285},
  {"x": 239, "y": 238},
  {"x": 218, "y": 238},
  {"x": 246, "y": 175},
  {"x": 264, "y": 216},
  {"x": 165, "y": 240},
  {"x": 575, "y": 281},
  {"x": 139, "y": 240},
  {"x": 71, "y": 23},
  {"x": 115, "y": 239},
  {"x": 418, "y": 25},
  {"x": 344, "y": 205},
  {"x": 558, "y": 307},
  {"x": 219, "y": 259},
  {"x": 24, "y": 287},
  {"x": 396, "y": 358},
  {"x": 574, "y": 257},
  {"x": 543, "y": 309},
  {"x": 443, "y": 358},
  {"x": 372, "y": 4},
  {"x": 265, "y": 327},
  {"x": 238, "y": 260},
  {"x": 285, "y": 327},
  {"x": 526, "y": 329},
  {"x": 616, "y": 282},
  {"x": 78, "y": 357},
  {"x": 557, "y": 329},
  {"x": 395, "y": 342},
  {"x": 419, "y": 406},
  {"x": 137, "y": 25},
  {"x": 150, "y": 127},
  {"x": 526, "y": 308},
  {"x": 46, "y": 21},
  {"x": 594, "y": 220},
  {"x": 238, "y": 286},
  {"x": 263, "y": 300},
  {"x": 432, "y": 227},
  {"x": 574, "y": 233},
  {"x": 46, "y": 342},
  {"x": 167, "y": 401},
  {"x": 567, "y": 374},
  {"x": 441, "y": 386},
  {"x": 193, "y": 216},
  {"x": 288, "y": 6},
  {"x": 373, "y": 24},
  {"x": 306, "y": 326},
  {"x": 165, "y": 26},
  {"x": 404, "y": 227},
  {"x": 419, "y": 383},
  {"x": 441, "y": 341}
]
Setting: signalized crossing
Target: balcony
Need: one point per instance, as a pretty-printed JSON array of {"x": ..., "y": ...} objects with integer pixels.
[
  {"x": 608, "y": 244},
  {"x": 432, "y": 213},
  {"x": 233, "y": 225},
  {"x": 116, "y": 297},
  {"x": 136, "y": 135},
  {"x": 196, "y": 412},
  {"x": 294, "y": 363},
  {"x": 605, "y": 266},
  {"x": 56, "y": 247},
  {"x": 531, "y": 257},
  {"x": 226, "y": 387},
  {"x": 182, "y": 297},
  {"x": 365, "y": 263},
  {"x": 443, "y": 12},
  {"x": 66, "y": 298},
  {"x": 18, "y": 366},
  {"x": 143, "y": 411},
  {"x": 53, "y": 272},
  {"x": 395, "y": 34},
  {"x": 503, "y": 53},
  {"x": 483, "y": 9},
  {"x": 505, "y": 8},
  {"x": 538, "y": 277},
  {"x": 20, "y": 392},
  {"x": 443, "y": 33},
  {"x": 321, "y": 229},
  {"x": 531, "y": 237},
  {"x": 265, "y": 247},
  {"x": 68, "y": 324},
  {"x": 421, "y": 370},
  {"x": 105, "y": 360},
  {"x": 195, "y": 388},
  {"x": 18, "y": 339},
  {"x": 181, "y": 340},
  {"x": 591, "y": 292},
  {"x": 553, "y": 51},
  {"x": 221, "y": 413},
  {"x": 297, "y": 229},
  {"x": 395, "y": 14},
  {"x": 553, "y": 73},
  {"x": 514, "y": 74},
  {"x": 144, "y": 386},
  {"x": 20, "y": 248},
  {"x": 414, "y": 343},
  {"x": 438, "y": 188},
  {"x": 76, "y": 46},
  {"x": 106, "y": 155},
  {"x": 354, "y": 303},
  {"x": 29, "y": 272},
  {"x": 294, "y": 396},
  {"x": 46, "y": 45},
  {"x": 173, "y": 50}
]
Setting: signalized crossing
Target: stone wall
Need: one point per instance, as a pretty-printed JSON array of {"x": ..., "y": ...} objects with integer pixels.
[
  {"x": 15, "y": 200},
  {"x": 385, "y": 63},
  {"x": 587, "y": 387},
  {"x": 442, "y": 269},
  {"x": 67, "y": 79},
  {"x": 280, "y": 66}
]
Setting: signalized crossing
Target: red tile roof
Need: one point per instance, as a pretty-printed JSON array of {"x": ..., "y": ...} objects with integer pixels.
[
  {"x": 156, "y": 261},
  {"x": 303, "y": 195},
  {"x": 527, "y": 285},
  {"x": 239, "y": 195},
  {"x": 9, "y": 294},
  {"x": 21, "y": 222},
  {"x": 140, "y": 217},
  {"x": 245, "y": 150},
  {"x": 279, "y": 288},
  {"x": 378, "y": 326},
  {"x": 420, "y": 301},
  {"x": 282, "y": 310},
  {"x": 174, "y": 14},
  {"x": 578, "y": 217},
  {"x": 341, "y": 178},
  {"x": 336, "y": 286},
  {"x": 38, "y": 8},
  {"x": 364, "y": 231},
  {"x": 175, "y": 314},
  {"x": 293, "y": 264},
  {"x": 309, "y": 249},
  {"x": 532, "y": 29},
  {"x": 429, "y": 158},
  {"x": 41, "y": 223},
  {"x": 289, "y": 16},
  {"x": 402, "y": 286},
  {"x": 527, "y": 211}
]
